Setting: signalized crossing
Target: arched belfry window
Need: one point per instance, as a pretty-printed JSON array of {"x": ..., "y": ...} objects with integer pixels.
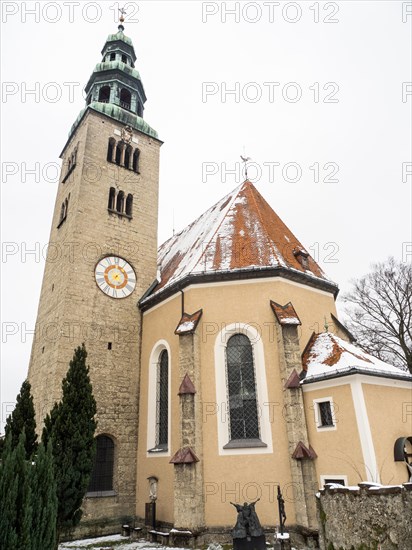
[
  {"x": 125, "y": 98},
  {"x": 120, "y": 202},
  {"x": 162, "y": 401},
  {"x": 119, "y": 149},
  {"x": 129, "y": 205},
  {"x": 104, "y": 94},
  {"x": 110, "y": 149},
  {"x": 112, "y": 198},
  {"x": 102, "y": 474},
  {"x": 136, "y": 159},
  {"x": 128, "y": 156},
  {"x": 241, "y": 389}
]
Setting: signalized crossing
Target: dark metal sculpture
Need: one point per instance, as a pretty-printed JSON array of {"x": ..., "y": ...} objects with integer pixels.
[
  {"x": 282, "y": 517},
  {"x": 282, "y": 514},
  {"x": 247, "y": 533}
]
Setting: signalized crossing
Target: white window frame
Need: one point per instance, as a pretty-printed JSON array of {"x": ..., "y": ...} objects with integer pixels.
[
  {"x": 343, "y": 477},
  {"x": 222, "y": 408},
  {"x": 160, "y": 346},
  {"x": 316, "y": 411}
]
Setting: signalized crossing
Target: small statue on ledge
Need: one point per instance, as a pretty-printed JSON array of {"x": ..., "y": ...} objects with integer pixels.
[{"x": 248, "y": 532}]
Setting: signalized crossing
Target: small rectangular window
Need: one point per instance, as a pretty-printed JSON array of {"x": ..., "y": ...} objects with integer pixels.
[
  {"x": 340, "y": 481},
  {"x": 109, "y": 345},
  {"x": 334, "y": 478},
  {"x": 325, "y": 414}
]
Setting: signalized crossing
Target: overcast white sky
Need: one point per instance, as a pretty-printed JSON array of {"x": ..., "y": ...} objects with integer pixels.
[{"x": 318, "y": 83}]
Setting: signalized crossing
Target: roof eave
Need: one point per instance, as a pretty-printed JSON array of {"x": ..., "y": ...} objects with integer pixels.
[
  {"x": 233, "y": 275},
  {"x": 355, "y": 370}
]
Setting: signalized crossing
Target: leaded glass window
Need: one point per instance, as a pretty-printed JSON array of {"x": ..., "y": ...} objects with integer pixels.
[
  {"x": 102, "y": 475},
  {"x": 325, "y": 414},
  {"x": 162, "y": 401},
  {"x": 241, "y": 388}
]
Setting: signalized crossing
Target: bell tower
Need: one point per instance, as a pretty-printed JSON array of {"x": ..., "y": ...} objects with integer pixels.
[{"x": 101, "y": 259}]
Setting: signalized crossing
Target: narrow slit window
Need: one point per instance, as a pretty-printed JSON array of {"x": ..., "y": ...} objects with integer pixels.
[{"x": 162, "y": 401}]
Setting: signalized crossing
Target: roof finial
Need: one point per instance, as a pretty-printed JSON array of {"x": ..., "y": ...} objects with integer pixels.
[
  {"x": 245, "y": 160},
  {"x": 121, "y": 18}
]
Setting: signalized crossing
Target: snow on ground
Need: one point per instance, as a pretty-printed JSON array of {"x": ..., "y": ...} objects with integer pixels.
[
  {"x": 117, "y": 542},
  {"x": 112, "y": 541}
]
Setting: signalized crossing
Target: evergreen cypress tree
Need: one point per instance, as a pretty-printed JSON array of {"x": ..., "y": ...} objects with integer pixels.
[
  {"x": 44, "y": 501},
  {"x": 23, "y": 418},
  {"x": 70, "y": 427},
  {"x": 8, "y": 497},
  {"x": 15, "y": 496}
]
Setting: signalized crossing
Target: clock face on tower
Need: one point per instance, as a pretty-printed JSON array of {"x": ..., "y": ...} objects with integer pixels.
[{"x": 115, "y": 277}]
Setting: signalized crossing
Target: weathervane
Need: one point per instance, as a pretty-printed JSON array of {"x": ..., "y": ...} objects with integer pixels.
[
  {"x": 245, "y": 161},
  {"x": 121, "y": 18}
]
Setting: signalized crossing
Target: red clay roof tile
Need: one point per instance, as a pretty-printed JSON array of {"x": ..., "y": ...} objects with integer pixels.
[{"x": 241, "y": 231}]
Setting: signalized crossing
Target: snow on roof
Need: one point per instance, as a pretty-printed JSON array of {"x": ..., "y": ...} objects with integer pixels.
[
  {"x": 188, "y": 322},
  {"x": 327, "y": 354},
  {"x": 241, "y": 231},
  {"x": 286, "y": 315}
]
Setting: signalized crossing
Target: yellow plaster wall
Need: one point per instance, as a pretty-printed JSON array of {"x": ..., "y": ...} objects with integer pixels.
[
  {"x": 389, "y": 413},
  {"x": 227, "y": 478},
  {"x": 339, "y": 451}
]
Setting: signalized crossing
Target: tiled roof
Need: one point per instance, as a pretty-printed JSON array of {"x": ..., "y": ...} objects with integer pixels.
[
  {"x": 188, "y": 322},
  {"x": 286, "y": 315},
  {"x": 327, "y": 355},
  {"x": 240, "y": 232}
]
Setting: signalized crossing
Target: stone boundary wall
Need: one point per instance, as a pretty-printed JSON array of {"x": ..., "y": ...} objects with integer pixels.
[{"x": 367, "y": 517}]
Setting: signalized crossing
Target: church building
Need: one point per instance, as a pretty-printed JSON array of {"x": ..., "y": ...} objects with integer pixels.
[{"x": 218, "y": 363}]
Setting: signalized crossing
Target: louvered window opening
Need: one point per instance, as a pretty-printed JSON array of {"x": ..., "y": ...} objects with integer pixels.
[
  {"x": 162, "y": 401},
  {"x": 325, "y": 412},
  {"x": 102, "y": 475},
  {"x": 241, "y": 389}
]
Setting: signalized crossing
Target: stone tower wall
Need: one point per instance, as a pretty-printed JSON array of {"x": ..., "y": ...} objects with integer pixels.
[{"x": 73, "y": 309}]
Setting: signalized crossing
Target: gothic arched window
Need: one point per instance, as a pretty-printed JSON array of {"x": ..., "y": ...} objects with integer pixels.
[
  {"x": 120, "y": 202},
  {"x": 129, "y": 205},
  {"x": 102, "y": 474},
  {"x": 112, "y": 198},
  {"x": 125, "y": 98},
  {"x": 104, "y": 94},
  {"x": 136, "y": 158},
  {"x": 241, "y": 388},
  {"x": 162, "y": 401}
]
